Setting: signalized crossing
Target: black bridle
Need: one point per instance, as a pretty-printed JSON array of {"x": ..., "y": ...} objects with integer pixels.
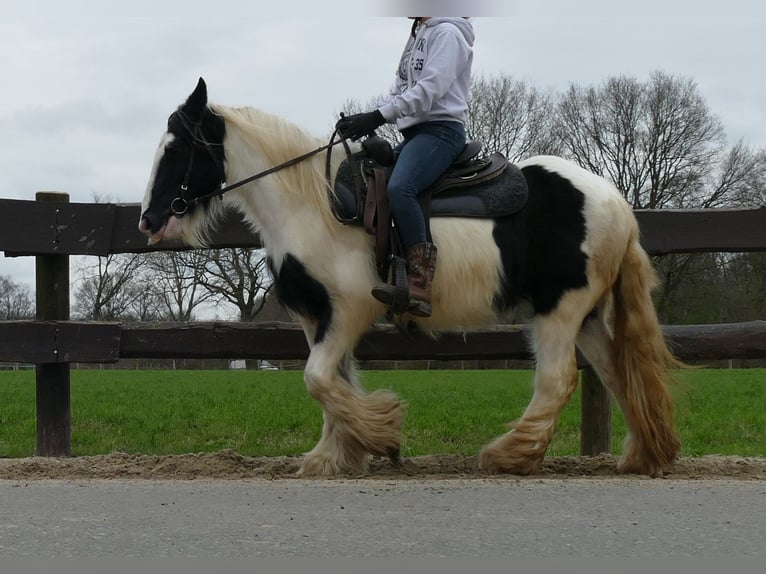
[{"x": 181, "y": 204}]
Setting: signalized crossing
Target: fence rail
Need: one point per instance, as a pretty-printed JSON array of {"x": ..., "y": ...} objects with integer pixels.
[
  {"x": 52, "y": 229},
  {"x": 93, "y": 342},
  {"x": 38, "y": 228}
]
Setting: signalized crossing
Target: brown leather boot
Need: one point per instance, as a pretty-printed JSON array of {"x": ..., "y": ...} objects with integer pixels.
[
  {"x": 421, "y": 262},
  {"x": 420, "y": 273}
]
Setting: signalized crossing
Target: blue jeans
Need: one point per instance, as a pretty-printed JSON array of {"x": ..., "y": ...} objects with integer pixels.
[{"x": 425, "y": 154}]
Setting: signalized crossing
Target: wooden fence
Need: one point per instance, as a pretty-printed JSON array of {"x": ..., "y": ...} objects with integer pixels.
[{"x": 51, "y": 229}]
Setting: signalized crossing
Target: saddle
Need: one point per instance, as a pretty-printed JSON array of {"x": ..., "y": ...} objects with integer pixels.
[{"x": 473, "y": 186}]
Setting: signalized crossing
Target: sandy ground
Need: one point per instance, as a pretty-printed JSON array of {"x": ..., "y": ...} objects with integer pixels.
[{"x": 227, "y": 464}]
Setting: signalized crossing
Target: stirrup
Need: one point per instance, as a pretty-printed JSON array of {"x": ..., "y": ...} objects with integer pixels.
[
  {"x": 419, "y": 308},
  {"x": 401, "y": 284},
  {"x": 397, "y": 294}
]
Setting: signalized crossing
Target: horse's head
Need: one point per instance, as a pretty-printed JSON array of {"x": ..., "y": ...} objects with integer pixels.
[{"x": 188, "y": 166}]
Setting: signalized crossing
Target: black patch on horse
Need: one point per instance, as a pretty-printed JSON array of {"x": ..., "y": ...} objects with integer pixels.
[
  {"x": 205, "y": 139},
  {"x": 540, "y": 245},
  {"x": 195, "y": 156},
  {"x": 301, "y": 293}
]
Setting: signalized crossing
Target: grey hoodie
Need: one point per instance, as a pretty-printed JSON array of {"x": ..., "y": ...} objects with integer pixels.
[{"x": 434, "y": 74}]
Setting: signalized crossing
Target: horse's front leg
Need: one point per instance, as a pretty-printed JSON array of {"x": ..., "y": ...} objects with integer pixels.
[{"x": 356, "y": 423}]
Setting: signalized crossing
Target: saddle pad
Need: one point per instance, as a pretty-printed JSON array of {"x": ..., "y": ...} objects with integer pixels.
[{"x": 497, "y": 197}]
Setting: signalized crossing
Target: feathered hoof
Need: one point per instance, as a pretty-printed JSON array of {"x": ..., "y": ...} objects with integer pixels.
[
  {"x": 378, "y": 428},
  {"x": 319, "y": 464},
  {"x": 496, "y": 461},
  {"x": 512, "y": 453},
  {"x": 638, "y": 460},
  {"x": 629, "y": 465}
]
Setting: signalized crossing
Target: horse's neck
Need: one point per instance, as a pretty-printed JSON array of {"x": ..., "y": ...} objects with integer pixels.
[{"x": 282, "y": 217}]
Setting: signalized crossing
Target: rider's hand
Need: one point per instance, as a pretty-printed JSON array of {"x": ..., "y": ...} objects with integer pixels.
[{"x": 358, "y": 125}]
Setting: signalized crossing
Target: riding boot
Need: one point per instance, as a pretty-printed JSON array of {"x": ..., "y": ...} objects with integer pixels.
[{"x": 421, "y": 261}]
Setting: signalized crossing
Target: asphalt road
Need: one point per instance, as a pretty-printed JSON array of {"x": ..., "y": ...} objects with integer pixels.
[{"x": 361, "y": 518}]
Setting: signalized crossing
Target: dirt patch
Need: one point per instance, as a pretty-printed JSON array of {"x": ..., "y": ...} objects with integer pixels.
[{"x": 227, "y": 464}]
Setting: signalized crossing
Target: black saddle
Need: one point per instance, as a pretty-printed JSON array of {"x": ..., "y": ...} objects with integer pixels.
[{"x": 485, "y": 187}]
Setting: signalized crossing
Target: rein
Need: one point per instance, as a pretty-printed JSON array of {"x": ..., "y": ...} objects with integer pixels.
[{"x": 181, "y": 205}]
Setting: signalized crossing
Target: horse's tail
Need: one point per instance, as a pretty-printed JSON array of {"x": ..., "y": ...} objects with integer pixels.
[{"x": 643, "y": 362}]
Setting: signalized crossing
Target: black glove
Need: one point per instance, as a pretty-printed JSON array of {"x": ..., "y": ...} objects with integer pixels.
[{"x": 358, "y": 125}]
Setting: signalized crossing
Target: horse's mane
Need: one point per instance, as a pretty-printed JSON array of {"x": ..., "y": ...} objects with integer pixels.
[{"x": 276, "y": 140}]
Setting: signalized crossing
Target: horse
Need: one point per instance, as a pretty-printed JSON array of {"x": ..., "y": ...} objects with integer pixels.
[{"x": 571, "y": 256}]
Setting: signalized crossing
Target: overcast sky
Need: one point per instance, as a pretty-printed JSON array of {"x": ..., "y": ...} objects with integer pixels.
[{"x": 86, "y": 86}]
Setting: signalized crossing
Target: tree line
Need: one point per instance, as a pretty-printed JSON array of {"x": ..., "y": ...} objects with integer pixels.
[
  {"x": 657, "y": 140},
  {"x": 173, "y": 286}
]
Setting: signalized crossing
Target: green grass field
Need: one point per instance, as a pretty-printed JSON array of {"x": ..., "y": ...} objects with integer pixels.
[{"x": 259, "y": 413}]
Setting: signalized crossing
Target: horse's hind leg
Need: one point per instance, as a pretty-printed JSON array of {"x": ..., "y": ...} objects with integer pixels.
[
  {"x": 596, "y": 343},
  {"x": 355, "y": 423},
  {"x": 521, "y": 450}
]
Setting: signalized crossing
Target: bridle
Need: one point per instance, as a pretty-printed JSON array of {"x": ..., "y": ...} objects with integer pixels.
[{"x": 182, "y": 204}]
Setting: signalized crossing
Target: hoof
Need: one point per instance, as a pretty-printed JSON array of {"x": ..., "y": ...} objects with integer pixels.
[
  {"x": 394, "y": 456},
  {"x": 493, "y": 462},
  {"x": 625, "y": 466},
  {"x": 636, "y": 460},
  {"x": 321, "y": 465}
]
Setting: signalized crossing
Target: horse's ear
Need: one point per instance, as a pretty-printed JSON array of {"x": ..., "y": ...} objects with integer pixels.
[{"x": 196, "y": 103}]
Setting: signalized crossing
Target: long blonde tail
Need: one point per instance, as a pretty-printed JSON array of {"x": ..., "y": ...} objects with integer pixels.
[{"x": 644, "y": 363}]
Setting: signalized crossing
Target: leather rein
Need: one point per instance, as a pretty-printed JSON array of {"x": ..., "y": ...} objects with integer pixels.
[{"x": 181, "y": 205}]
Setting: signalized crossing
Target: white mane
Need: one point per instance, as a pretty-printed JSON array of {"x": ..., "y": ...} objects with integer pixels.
[{"x": 256, "y": 140}]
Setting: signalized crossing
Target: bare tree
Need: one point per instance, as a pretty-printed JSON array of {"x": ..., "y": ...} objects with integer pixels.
[
  {"x": 739, "y": 180},
  {"x": 238, "y": 276},
  {"x": 110, "y": 288},
  {"x": 147, "y": 306},
  {"x": 175, "y": 278},
  {"x": 657, "y": 141},
  {"x": 511, "y": 117},
  {"x": 600, "y": 128},
  {"x": 15, "y": 300},
  {"x": 107, "y": 289}
]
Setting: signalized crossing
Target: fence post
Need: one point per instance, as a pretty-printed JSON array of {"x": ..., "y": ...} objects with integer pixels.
[
  {"x": 54, "y": 418},
  {"x": 595, "y": 415}
]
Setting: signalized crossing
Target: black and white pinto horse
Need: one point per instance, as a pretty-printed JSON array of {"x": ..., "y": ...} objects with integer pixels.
[{"x": 572, "y": 255}]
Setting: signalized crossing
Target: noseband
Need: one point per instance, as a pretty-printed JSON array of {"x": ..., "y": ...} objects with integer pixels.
[{"x": 182, "y": 204}]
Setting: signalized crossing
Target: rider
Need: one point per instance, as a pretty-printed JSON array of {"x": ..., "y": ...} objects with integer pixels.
[{"x": 428, "y": 103}]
